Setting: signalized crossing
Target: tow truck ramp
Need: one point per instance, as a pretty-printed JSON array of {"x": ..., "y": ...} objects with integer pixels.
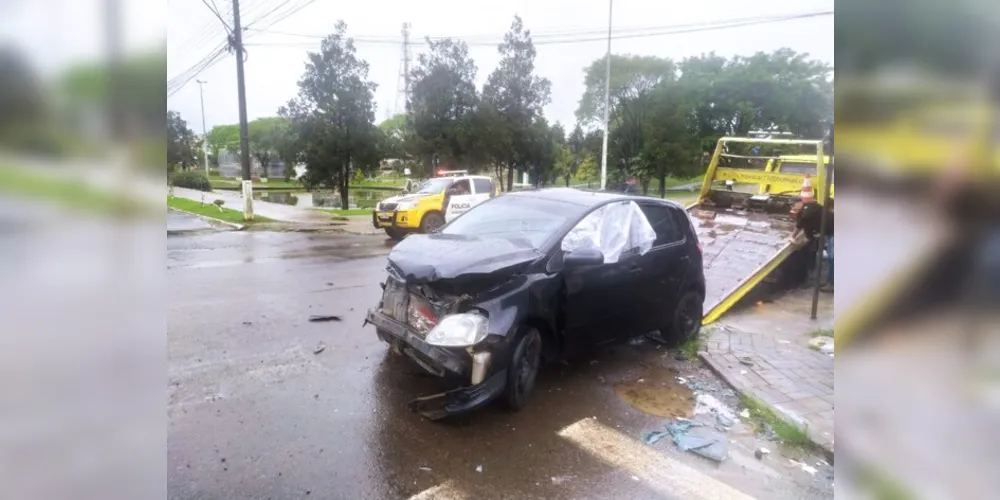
[{"x": 745, "y": 233}]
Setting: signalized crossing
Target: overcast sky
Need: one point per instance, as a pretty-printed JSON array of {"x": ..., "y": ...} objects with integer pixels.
[{"x": 273, "y": 68}]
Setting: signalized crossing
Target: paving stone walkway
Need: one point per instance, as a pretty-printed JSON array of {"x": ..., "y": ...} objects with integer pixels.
[{"x": 794, "y": 380}]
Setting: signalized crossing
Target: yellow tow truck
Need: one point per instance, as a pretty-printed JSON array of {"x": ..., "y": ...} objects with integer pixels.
[
  {"x": 433, "y": 203},
  {"x": 793, "y": 164},
  {"x": 745, "y": 235}
]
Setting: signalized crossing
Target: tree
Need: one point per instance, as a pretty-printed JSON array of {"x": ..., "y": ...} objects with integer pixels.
[
  {"x": 394, "y": 134},
  {"x": 21, "y": 98},
  {"x": 333, "y": 115},
  {"x": 180, "y": 142},
  {"x": 491, "y": 140},
  {"x": 671, "y": 145},
  {"x": 223, "y": 138},
  {"x": 442, "y": 102},
  {"x": 589, "y": 169},
  {"x": 288, "y": 147},
  {"x": 264, "y": 135},
  {"x": 783, "y": 90},
  {"x": 633, "y": 79},
  {"x": 517, "y": 95}
]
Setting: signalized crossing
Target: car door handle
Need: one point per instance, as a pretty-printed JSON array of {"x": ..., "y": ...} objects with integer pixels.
[{"x": 634, "y": 269}]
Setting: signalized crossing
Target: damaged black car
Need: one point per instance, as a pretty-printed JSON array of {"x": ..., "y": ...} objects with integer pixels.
[{"x": 532, "y": 276}]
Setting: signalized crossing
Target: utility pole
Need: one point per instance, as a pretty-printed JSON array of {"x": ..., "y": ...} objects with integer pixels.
[
  {"x": 204, "y": 131},
  {"x": 241, "y": 93},
  {"x": 607, "y": 105},
  {"x": 405, "y": 75}
]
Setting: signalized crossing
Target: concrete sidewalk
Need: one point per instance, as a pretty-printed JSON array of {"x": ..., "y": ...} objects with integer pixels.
[
  {"x": 276, "y": 211},
  {"x": 763, "y": 352}
]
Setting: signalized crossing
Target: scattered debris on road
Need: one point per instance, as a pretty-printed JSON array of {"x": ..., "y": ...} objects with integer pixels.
[
  {"x": 693, "y": 436},
  {"x": 806, "y": 467},
  {"x": 746, "y": 361},
  {"x": 247, "y": 323},
  {"x": 760, "y": 452},
  {"x": 479, "y": 468},
  {"x": 425, "y": 469},
  {"x": 319, "y": 348},
  {"x": 317, "y": 318}
]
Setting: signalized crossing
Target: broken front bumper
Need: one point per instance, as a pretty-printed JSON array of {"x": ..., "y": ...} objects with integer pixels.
[{"x": 485, "y": 383}]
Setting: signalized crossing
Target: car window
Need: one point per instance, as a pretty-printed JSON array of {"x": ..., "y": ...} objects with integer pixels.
[
  {"x": 434, "y": 186},
  {"x": 512, "y": 218},
  {"x": 483, "y": 186},
  {"x": 460, "y": 187},
  {"x": 663, "y": 222}
]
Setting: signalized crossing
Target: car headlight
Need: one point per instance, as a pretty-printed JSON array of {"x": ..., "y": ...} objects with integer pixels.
[
  {"x": 406, "y": 205},
  {"x": 458, "y": 330}
]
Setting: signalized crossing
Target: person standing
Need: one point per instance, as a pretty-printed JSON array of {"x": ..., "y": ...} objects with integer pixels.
[{"x": 808, "y": 222}]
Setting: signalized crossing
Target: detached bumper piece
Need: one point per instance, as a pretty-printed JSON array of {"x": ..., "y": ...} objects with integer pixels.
[{"x": 461, "y": 400}]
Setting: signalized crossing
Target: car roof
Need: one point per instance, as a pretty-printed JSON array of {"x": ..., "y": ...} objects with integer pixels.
[{"x": 584, "y": 199}]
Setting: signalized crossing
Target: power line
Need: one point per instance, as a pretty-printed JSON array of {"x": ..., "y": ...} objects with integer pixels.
[
  {"x": 175, "y": 84},
  {"x": 215, "y": 10},
  {"x": 292, "y": 10},
  {"x": 578, "y": 36},
  {"x": 272, "y": 11}
]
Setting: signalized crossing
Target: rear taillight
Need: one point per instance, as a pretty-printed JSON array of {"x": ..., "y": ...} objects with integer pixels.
[{"x": 699, "y": 248}]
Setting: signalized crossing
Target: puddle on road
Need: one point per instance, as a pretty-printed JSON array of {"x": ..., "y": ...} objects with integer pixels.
[{"x": 657, "y": 392}]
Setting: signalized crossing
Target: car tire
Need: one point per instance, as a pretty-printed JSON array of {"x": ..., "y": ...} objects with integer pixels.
[
  {"x": 522, "y": 371},
  {"x": 431, "y": 222},
  {"x": 686, "y": 322},
  {"x": 395, "y": 234}
]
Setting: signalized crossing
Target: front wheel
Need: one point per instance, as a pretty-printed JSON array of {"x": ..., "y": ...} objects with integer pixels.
[
  {"x": 523, "y": 368},
  {"x": 396, "y": 234},
  {"x": 686, "y": 323},
  {"x": 431, "y": 222}
]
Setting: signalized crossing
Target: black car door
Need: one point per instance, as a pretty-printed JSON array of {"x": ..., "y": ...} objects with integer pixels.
[
  {"x": 600, "y": 302},
  {"x": 662, "y": 268}
]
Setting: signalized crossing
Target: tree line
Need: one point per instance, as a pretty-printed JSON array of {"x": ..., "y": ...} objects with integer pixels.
[{"x": 664, "y": 115}]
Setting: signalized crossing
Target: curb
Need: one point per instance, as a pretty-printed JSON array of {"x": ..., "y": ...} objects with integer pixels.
[
  {"x": 212, "y": 220},
  {"x": 827, "y": 449}
]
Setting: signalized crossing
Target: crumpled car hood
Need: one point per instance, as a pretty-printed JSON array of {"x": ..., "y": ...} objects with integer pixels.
[{"x": 425, "y": 258}]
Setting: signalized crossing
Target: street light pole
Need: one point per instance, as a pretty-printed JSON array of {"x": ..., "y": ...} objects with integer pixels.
[
  {"x": 241, "y": 95},
  {"x": 607, "y": 105},
  {"x": 204, "y": 131}
]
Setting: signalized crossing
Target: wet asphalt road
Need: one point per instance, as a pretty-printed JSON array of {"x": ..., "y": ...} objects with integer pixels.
[{"x": 254, "y": 413}]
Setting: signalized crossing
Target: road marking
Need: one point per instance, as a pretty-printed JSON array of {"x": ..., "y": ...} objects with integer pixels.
[
  {"x": 444, "y": 491},
  {"x": 656, "y": 470}
]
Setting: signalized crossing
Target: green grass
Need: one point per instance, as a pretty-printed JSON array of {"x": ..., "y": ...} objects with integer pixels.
[
  {"x": 210, "y": 210},
  {"x": 69, "y": 193},
  {"x": 822, "y": 332},
  {"x": 789, "y": 433},
  {"x": 691, "y": 348},
  {"x": 677, "y": 181}
]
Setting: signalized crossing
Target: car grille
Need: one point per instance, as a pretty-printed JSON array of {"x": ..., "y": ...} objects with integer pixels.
[{"x": 387, "y": 207}]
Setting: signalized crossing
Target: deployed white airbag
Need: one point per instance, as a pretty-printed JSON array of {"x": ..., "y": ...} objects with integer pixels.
[{"x": 614, "y": 229}]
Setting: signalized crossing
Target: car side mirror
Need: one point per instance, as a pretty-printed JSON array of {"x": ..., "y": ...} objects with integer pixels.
[{"x": 583, "y": 257}]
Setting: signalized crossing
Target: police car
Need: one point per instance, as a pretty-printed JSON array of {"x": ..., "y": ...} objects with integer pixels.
[{"x": 433, "y": 203}]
